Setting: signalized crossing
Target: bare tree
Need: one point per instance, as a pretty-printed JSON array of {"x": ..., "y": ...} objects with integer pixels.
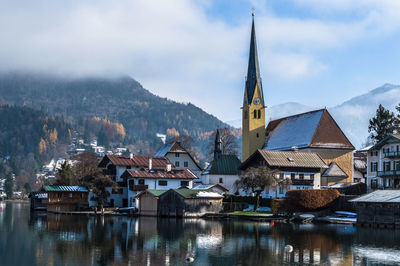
[
  {"x": 229, "y": 143},
  {"x": 257, "y": 179}
]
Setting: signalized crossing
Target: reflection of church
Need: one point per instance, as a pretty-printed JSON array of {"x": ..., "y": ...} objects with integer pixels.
[{"x": 314, "y": 131}]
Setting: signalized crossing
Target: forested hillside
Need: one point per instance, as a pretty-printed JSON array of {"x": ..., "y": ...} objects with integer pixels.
[
  {"x": 118, "y": 100},
  {"x": 28, "y": 138}
]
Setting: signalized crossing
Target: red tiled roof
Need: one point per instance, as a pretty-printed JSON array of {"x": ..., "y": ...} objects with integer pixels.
[
  {"x": 174, "y": 174},
  {"x": 137, "y": 161}
]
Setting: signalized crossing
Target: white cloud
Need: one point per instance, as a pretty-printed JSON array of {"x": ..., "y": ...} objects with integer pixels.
[{"x": 173, "y": 47}]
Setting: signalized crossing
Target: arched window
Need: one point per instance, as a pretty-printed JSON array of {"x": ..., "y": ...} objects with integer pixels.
[
  {"x": 255, "y": 113},
  {"x": 259, "y": 114}
]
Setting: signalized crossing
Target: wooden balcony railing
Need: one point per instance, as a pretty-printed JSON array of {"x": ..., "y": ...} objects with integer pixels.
[{"x": 138, "y": 187}]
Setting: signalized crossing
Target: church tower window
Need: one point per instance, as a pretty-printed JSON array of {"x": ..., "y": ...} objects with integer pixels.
[
  {"x": 259, "y": 114},
  {"x": 255, "y": 113}
]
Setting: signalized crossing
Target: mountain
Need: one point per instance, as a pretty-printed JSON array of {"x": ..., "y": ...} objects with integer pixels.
[
  {"x": 118, "y": 99},
  {"x": 352, "y": 115},
  {"x": 29, "y": 137}
]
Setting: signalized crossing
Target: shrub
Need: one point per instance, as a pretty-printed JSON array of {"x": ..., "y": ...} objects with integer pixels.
[
  {"x": 310, "y": 199},
  {"x": 277, "y": 205}
]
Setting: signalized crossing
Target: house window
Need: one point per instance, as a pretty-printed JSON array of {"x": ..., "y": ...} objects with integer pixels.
[
  {"x": 185, "y": 164},
  {"x": 129, "y": 167},
  {"x": 221, "y": 180},
  {"x": 386, "y": 166},
  {"x": 372, "y": 153},
  {"x": 312, "y": 176},
  {"x": 374, "y": 166},
  {"x": 59, "y": 195},
  {"x": 176, "y": 155},
  {"x": 292, "y": 176},
  {"x": 176, "y": 163},
  {"x": 141, "y": 181},
  {"x": 82, "y": 195},
  {"x": 184, "y": 183},
  {"x": 301, "y": 176},
  {"x": 162, "y": 183},
  {"x": 280, "y": 190},
  {"x": 70, "y": 195},
  {"x": 281, "y": 175},
  {"x": 255, "y": 113}
]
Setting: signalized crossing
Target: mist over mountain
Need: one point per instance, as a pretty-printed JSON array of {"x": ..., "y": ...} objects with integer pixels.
[{"x": 118, "y": 99}]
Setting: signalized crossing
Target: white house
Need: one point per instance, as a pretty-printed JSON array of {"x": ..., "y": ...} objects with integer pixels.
[
  {"x": 302, "y": 168},
  {"x": 179, "y": 157},
  {"x": 383, "y": 164},
  {"x": 165, "y": 179},
  {"x": 115, "y": 165}
]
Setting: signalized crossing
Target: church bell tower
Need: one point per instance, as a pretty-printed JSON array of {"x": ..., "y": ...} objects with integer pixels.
[{"x": 253, "y": 110}]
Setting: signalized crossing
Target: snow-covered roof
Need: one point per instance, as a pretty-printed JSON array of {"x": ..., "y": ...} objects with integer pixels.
[
  {"x": 380, "y": 196},
  {"x": 315, "y": 129},
  {"x": 294, "y": 131},
  {"x": 209, "y": 186},
  {"x": 207, "y": 194}
]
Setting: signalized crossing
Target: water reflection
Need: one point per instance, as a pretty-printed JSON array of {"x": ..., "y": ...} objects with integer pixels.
[{"x": 28, "y": 239}]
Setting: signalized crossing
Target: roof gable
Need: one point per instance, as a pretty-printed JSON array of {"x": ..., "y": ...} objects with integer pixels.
[
  {"x": 174, "y": 174},
  {"x": 315, "y": 129},
  {"x": 329, "y": 135},
  {"x": 136, "y": 161},
  {"x": 334, "y": 171},
  {"x": 175, "y": 147},
  {"x": 390, "y": 138}
]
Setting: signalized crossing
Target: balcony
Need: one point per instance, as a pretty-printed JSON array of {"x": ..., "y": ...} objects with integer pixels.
[
  {"x": 389, "y": 173},
  {"x": 302, "y": 182},
  {"x": 392, "y": 154},
  {"x": 138, "y": 187}
]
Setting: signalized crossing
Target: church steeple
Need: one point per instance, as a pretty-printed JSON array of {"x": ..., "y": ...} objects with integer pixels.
[
  {"x": 253, "y": 71},
  {"x": 217, "y": 145},
  {"x": 253, "y": 110}
]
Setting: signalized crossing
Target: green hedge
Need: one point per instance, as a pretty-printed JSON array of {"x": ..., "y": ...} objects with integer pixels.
[{"x": 248, "y": 199}]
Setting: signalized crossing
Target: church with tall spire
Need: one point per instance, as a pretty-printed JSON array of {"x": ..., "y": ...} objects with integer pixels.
[{"x": 253, "y": 109}]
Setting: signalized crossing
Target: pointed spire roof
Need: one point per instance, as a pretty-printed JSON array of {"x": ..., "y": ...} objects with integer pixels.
[
  {"x": 217, "y": 145},
  {"x": 253, "y": 71}
]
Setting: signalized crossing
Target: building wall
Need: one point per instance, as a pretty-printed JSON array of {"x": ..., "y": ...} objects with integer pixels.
[
  {"x": 228, "y": 181},
  {"x": 183, "y": 157},
  {"x": 378, "y": 213},
  {"x": 66, "y": 201},
  {"x": 380, "y": 159},
  {"x": 343, "y": 158},
  {"x": 148, "y": 205},
  {"x": 253, "y": 128},
  {"x": 153, "y": 184}
]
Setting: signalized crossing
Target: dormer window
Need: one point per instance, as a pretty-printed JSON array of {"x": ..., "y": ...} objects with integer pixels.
[{"x": 290, "y": 159}]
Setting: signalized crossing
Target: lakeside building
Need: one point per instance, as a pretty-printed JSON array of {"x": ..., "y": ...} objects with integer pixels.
[
  {"x": 178, "y": 202},
  {"x": 379, "y": 208},
  {"x": 383, "y": 164},
  {"x": 179, "y": 157},
  {"x": 360, "y": 166},
  {"x": 315, "y": 131},
  {"x": 302, "y": 168},
  {"x": 65, "y": 198},
  {"x": 223, "y": 169},
  {"x": 140, "y": 180},
  {"x": 135, "y": 173}
]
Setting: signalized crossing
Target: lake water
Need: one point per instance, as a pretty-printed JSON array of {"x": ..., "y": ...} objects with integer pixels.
[{"x": 40, "y": 239}]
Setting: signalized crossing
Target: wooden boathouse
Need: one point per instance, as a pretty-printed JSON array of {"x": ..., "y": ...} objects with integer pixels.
[{"x": 380, "y": 208}]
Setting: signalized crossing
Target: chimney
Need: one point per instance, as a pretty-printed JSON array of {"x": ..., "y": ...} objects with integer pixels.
[
  {"x": 150, "y": 163},
  {"x": 168, "y": 168},
  {"x": 131, "y": 155}
]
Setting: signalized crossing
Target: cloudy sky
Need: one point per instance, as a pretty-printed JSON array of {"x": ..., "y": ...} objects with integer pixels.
[{"x": 316, "y": 52}]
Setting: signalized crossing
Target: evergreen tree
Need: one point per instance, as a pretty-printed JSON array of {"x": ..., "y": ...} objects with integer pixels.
[
  {"x": 9, "y": 185},
  {"x": 382, "y": 124},
  {"x": 65, "y": 176},
  {"x": 397, "y": 122}
]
